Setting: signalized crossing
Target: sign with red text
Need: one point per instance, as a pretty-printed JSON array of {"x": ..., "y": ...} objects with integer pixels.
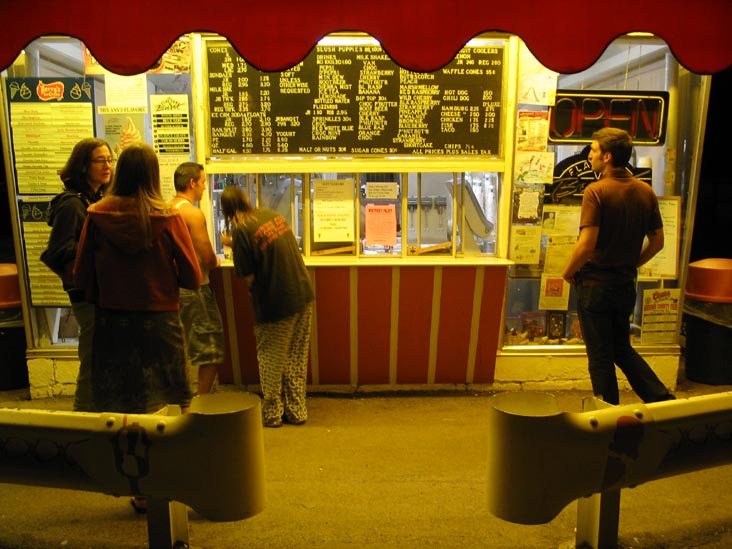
[{"x": 576, "y": 115}]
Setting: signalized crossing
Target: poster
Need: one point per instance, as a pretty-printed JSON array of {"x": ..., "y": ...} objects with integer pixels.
[
  {"x": 333, "y": 210},
  {"x": 554, "y": 293},
  {"x": 533, "y": 130},
  {"x": 537, "y": 85},
  {"x": 381, "y": 225},
  {"x": 525, "y": 244},
  {"x": 527, "y": 199},
  {"x": 660, "y": 315},
  {"x": 168, "y": 164},
  {"x": 534, "y": 167},
  {"x": 382, "y": 191},
  {"x": 560, "y": 220},
  {"x": 171, "y": 131},
  {"x": 125, "y": 91},
  {"x": 122, "y": 130},
  {"x": 666, "y": 262},
  {"x": 558, "y": 251}
]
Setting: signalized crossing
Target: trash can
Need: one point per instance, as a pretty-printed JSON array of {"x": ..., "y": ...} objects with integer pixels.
[
  {"x": 708, "y": 321},
  {"x": 13, "y": 367}
]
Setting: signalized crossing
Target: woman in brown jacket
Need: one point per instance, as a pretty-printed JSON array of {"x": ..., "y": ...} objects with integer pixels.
[{"x": 134, "y": 253}]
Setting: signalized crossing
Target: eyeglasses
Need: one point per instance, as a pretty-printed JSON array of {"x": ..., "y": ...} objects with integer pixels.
[{"x": 103, "y": 161}]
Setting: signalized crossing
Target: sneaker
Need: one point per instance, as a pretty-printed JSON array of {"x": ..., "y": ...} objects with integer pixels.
[{"x": 273, "y": 423}]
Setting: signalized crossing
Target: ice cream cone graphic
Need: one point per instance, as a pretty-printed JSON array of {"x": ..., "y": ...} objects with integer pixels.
[{"x": 129, "y": 135}]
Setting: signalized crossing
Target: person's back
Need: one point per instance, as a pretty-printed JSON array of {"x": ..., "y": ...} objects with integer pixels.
[
  {"x": 137, "y": 276},
  {"x": 133, "y": 255},
  {"x": 267, "y": 256},
  {"x": 281, "y": 285},
  {"x": 625, "y": 209},
  {"x": 620, "y": 229}
]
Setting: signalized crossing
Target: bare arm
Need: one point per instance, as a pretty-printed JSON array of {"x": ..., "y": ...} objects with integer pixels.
[
  {"x": 189, "y": 270},
  {"x": 582, "y": 252},
  {"x": 651, "y": 246},
  {"x": 196, "y": 223}
]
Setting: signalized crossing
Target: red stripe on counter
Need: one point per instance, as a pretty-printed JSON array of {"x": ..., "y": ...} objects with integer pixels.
[
  {"x": 332, "y": 292},
  {"x": 453, "y": 338},
  {"x": 415, "y": 313},
  {"x": 374, "y": 324},
  {"x": 244, "y": 316},
  {"x": 494, "y": 288}
]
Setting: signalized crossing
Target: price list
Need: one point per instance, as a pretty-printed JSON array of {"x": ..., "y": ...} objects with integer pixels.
[
  {"x": 354, "y": 100},
  {"x": 47, "y": 118},
  {"x": 45, "y": 285}
]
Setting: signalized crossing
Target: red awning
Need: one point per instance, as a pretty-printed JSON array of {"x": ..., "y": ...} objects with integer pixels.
[{"x": 128, "y": 36}]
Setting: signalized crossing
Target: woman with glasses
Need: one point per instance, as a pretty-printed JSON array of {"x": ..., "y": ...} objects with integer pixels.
[{"x": 85, "y": 177}]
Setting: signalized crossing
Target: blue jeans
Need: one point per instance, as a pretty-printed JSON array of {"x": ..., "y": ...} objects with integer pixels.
[{"x": 604, "y": 314}]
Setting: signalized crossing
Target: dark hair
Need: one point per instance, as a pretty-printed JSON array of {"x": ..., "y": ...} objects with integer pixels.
[
  {"x": 234, "y": 202},
  {"x": 74, "y": 173},
  {"x": 617, "y": 142},
  {"x": 138, "y": 176},
  {"x": 184, "y": 173}
]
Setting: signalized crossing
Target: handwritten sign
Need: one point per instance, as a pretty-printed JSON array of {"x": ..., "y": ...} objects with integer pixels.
[{"x": 381, "y": 225}]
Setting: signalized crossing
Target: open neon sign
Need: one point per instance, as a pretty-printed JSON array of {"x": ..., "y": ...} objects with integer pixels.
[{"x": 576, "y": 115}]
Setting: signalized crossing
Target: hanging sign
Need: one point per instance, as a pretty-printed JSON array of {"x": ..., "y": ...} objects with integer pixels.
[{"x": 578, "y": 114}]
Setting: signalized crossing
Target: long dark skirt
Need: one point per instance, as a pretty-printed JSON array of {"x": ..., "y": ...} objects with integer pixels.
[{"x": 139, "y": 362}]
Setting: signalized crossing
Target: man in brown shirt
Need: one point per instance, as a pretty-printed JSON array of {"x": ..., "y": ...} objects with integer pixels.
[{"x": 620, "y": 230}]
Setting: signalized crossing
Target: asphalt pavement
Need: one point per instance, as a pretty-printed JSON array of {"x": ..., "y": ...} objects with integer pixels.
[{"x": 386, "y": 470}]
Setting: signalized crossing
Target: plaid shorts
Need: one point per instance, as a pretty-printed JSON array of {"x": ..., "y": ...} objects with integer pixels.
[{"x": 202, "y": 325}]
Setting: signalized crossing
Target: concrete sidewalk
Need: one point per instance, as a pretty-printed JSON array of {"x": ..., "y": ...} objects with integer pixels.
[{"x": 377, "y": 471}]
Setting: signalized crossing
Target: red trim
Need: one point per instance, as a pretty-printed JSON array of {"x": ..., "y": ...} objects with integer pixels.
[
  {"x": 332, "y": 300},
  {"x": 374, "y": 325},
  {"x": 243, "y": 324},
  {"x": 494, "y": 289},
  {"x": 415, "y": 316},
  {"x": 453, "y": 339},
  {"x": 566, "y": 36}
]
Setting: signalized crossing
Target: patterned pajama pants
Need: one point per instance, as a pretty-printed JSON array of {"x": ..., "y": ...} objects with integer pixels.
[{"x": 282, "y": 352}]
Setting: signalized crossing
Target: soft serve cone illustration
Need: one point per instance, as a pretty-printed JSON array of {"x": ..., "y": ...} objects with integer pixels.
[{"x": 129, "y": 135}]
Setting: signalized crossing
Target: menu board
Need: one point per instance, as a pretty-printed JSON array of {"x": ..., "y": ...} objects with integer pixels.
[
  {"x": 45, "y": 285},
  {"x": 354, "y": 100},
  {"x": 47, "y": 118}
]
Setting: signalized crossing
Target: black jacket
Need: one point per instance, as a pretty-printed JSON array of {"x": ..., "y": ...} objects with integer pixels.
[{"x": 66, "y": 216}]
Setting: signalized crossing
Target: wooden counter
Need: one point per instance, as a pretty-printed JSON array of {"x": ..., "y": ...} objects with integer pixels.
[{"x": 421, "y": 321}]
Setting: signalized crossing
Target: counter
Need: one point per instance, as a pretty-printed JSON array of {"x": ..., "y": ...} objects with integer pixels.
[{"x": 382, "y": 323}]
